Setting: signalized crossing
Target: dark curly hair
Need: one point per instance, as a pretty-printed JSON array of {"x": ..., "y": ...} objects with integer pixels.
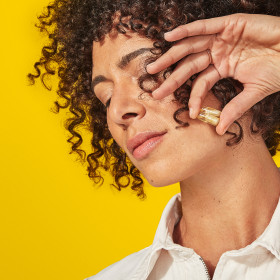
[{"x": 73, "y": 25}]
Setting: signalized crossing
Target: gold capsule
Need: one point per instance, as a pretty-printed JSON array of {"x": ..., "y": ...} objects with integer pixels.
[{"x": 209, "y": 115}]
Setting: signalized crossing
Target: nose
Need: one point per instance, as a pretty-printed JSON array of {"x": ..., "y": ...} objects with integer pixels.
[{"x": 126, "y": 106}]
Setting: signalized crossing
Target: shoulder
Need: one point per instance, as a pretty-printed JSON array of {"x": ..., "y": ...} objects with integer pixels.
[{"x": 125, "y": 268}]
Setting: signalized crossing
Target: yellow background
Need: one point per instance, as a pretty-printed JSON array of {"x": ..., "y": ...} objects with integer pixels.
[{"x": 54, "y": 223}]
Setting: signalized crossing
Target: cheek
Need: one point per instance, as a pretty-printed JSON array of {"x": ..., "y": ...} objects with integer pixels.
[
  {"x": 115, "y": 131},
  {"x": 197, "y": 147}
]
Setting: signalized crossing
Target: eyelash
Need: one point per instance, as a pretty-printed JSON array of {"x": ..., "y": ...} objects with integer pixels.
[{"x": 107, "y": 104}]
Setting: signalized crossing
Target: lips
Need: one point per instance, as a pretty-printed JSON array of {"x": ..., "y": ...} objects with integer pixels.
[{"x": 141, "y": 144}]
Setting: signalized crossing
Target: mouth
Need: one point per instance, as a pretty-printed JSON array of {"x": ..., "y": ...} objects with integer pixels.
[{"x": 143, "y": 143}]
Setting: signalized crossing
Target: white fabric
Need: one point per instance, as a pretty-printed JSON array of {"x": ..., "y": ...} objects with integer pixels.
[{"x": 166, "y": 260}]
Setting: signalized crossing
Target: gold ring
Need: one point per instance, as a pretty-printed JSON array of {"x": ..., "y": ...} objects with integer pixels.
[{"x": 209, "y": 115}]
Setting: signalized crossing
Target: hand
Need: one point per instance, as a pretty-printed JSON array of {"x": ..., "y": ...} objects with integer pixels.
[{"x": 242, "y": 46}]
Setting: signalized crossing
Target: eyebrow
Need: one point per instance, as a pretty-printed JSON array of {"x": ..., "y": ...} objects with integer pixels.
[
  {"x": 128, "y": 57},
  {"x": 124, "y": 61}
]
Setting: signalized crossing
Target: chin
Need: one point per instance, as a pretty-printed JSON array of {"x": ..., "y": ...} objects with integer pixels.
[
  {"x": 162, "y": 181},
  {"x": 165, "y": 175}
]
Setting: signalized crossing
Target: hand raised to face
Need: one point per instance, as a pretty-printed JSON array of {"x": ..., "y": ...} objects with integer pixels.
[{"x": 245, "y": 47}]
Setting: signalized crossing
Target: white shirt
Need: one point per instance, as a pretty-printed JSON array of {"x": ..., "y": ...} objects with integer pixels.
[{"x": 166, "y": 260}]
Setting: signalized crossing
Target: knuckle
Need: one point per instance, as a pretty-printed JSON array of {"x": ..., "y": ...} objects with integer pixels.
[
  {"x": 238, "y": 16},
  {"x": 235, "y": 109},
  {"x": 207, "y": 84},
  {"x": 195, "y": 99},
  {"x": 190, "y": 49},
  {"x": 259, "y": 95},
  {"x": 194, "y": 67},
  {"x": 203, "y": 27},
  {"x": 174, "y": 84},
  {"x": 171, "y": 59}
]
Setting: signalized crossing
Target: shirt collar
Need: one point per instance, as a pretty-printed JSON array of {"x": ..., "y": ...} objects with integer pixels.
[
  {"x": 268, "y": 240},
  {"x": 170, "y": 217},
  {"x": 164, "y": 235},
  {"x": 271, "y": 236}
]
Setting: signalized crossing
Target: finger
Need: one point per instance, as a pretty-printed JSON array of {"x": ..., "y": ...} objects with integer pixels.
[
  {"x": 189, "y": 66},
  {"x": 237, "y": 107},
  {"x": 200, "y": 87},
  {"x": 198, "y": 27},
  {"x": 179, "y": 50}
]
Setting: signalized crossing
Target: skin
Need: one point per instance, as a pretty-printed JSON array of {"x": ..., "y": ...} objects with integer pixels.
[
  {"x": 243, "y": 46},
  {"x": 231, "y": 191}
]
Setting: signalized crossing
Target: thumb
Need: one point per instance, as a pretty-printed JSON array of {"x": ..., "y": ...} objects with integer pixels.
[{"x": 238, "y": 106}]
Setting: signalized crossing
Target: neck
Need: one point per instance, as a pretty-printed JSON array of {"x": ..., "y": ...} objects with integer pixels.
[{"x": 228, "y": 204}]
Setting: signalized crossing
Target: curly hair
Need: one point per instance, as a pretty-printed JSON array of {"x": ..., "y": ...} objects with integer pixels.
[{"x": 73, "y": 25}]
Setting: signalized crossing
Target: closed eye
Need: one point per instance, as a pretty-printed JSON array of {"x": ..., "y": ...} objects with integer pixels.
[{"x": 107, "y": 104}]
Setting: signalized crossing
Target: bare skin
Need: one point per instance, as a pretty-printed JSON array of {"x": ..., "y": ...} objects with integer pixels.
[
  {"x": 233, "y": 201},
  {"x": 243, "y": 46},
  {"x": 227, "y": 206},
  {"x": 228, "y": 193}
]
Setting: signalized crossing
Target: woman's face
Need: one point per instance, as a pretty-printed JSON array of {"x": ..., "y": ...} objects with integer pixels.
[{"x": 144, "y": 127}]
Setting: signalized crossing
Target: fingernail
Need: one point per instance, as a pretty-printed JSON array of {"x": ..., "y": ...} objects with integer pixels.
[
  {"x": 167, "y": 34},
  {"x": 191, "y": 113},
  {"x": 225, "y": 129},
  {"x": 150, "y": 65},
  {"x": 223, "y": 132}
]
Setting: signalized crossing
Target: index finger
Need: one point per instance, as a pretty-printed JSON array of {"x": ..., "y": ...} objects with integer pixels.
[{"x": 198, "y": 27}]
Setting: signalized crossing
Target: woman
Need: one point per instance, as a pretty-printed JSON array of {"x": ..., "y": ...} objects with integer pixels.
[{"x": 226, "y": 219}]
